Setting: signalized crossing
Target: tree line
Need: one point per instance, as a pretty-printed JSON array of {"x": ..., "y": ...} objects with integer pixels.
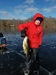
[{"x": 49, "y": 24}]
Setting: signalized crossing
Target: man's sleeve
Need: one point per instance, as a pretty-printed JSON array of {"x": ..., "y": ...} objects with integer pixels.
[{"x": 23, "y": 26}]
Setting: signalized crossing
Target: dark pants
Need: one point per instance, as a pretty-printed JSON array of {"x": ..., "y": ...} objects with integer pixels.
[{"x": 32, "y": 60}]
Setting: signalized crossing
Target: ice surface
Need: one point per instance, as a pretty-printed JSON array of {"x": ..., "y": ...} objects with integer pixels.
[{"x": 47, "y": 52}]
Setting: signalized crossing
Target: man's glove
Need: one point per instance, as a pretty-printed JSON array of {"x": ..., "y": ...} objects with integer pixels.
[
  {"x": 23, "y": 33},
  {"x": 40, "y": 46}
]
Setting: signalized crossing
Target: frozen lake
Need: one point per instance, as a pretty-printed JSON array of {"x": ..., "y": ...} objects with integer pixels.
[{"x": 47, "y": 52}]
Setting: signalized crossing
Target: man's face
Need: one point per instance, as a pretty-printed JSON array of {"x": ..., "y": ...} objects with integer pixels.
[{"x": 37, "y": 22}]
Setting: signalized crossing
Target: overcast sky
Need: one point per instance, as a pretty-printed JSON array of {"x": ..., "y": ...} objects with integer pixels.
[{"x": 24, "y": 9}]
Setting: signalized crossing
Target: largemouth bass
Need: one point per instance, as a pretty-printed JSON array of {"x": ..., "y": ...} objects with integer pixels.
[{"x": 26, "y": 45}]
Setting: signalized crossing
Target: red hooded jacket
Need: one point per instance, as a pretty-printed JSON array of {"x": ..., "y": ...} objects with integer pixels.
[{"x": 34, "y": 32}]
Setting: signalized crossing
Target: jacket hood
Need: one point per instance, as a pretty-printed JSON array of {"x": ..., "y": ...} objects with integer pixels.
[{"x": 38, "y": 15}]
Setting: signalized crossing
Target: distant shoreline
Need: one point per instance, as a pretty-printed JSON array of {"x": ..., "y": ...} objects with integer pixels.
[{"x": 10, "y": 26}]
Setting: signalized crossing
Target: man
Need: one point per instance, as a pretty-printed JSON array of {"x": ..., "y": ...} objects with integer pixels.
[
  {"x": 34, "y": 31},
  {"x": 2, "y": 41}
]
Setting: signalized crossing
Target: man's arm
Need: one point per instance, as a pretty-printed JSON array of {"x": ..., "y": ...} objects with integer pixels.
[{"x": 22, "y": 28}]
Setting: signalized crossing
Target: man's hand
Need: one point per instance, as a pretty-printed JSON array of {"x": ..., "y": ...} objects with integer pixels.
[
  {"x": 23, "y": 33},
  {"x": 40, "y": 46},
  {"x": 3, "y": 45}
]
